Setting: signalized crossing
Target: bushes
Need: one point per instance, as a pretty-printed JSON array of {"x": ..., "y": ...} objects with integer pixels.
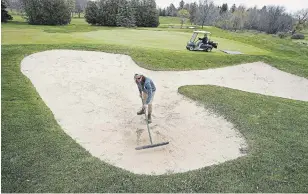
[
  {"x": 47, "y": 12},
  {"x": 298, "y": 36},
  {"x": 125, "y": 16},
  {"x": 140, "y": 13},
  {"x": 4, "y": 14},
  {"x": 91, "y": 13},
  {"x": 294, "y": 36},
  {"x": 282, "y": 34}
]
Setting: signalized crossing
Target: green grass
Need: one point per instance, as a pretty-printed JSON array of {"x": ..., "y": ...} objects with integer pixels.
[
  {"x": 37, "y": 156},
  {"x": 303, "y": 41},
  {"x": 119, "y": 36},
  {"x": 305, "y": 32},
  {"x": 170, "y": 49},
  {"x": 276, "y": 130},
  {"x": 168, "y": 20},
  {"x": 161, "y": 40}
]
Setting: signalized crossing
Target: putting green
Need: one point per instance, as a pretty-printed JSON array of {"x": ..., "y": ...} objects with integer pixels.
[{"x": 161, "y": 40}]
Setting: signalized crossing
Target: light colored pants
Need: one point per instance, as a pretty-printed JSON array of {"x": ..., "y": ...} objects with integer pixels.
[{"x": 144, "y": 99}]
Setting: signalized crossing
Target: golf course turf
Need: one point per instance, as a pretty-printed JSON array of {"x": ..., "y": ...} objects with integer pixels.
[{"x": 37, "y": 156}]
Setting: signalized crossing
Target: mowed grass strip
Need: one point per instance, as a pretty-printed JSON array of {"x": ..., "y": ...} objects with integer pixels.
[
  {"x": 161, "y": 60},
  {"x": 153, "y": 59},
  {"x": 37, "y": 156}
]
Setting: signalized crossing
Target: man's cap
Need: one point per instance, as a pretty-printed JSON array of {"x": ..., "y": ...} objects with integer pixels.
[{"x": 137, "y": 76}]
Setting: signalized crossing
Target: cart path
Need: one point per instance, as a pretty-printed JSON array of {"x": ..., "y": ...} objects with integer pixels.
[{"x": 94, "y": 98}]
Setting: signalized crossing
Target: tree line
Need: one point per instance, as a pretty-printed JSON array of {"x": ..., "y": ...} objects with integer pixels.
[
  {"x": 76, "y": 6},
  {"x": 126, "y": 13},
  {"x": 269, "y": 19},
  {"x": 47, "y": 12},
  {"x": 144, "y": 13}
]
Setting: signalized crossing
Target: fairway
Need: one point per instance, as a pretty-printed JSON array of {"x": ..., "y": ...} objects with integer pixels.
[
  {"x": 165, "y": 40},
  {"x": 235, "y": 123}
]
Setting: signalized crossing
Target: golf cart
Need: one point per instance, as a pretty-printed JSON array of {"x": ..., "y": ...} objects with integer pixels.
[{"x": 201, "y": 44}]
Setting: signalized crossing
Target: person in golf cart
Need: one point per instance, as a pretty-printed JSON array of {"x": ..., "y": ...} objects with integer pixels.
[
  {"x": 147, "y": 91},
  {"x": 204, "y": 40}
]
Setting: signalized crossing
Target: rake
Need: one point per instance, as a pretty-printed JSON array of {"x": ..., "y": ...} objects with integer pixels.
[{"x": 151, "y": 145}]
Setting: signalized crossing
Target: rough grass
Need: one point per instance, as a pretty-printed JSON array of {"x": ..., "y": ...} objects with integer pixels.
[
  {"x": 168, "y": 20},
  {"x": 37, "y": 156},
  {"x": 155, "y": 60},
  {"x": 276, "y": 131}
]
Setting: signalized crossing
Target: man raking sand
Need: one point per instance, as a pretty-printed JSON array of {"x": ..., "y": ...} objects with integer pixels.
[{"x": 147, "y": 90}]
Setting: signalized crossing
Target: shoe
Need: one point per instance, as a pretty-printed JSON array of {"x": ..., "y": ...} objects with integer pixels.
[
  {"x": 141, "y": 112},
  {"x": 149, "y": 118}
]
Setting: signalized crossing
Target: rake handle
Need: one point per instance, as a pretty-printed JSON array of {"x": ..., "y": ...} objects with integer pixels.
[{"x": 145, "y": 114}]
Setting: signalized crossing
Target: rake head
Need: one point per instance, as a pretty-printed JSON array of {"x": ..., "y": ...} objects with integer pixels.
[{"x": 151, "y": 145}]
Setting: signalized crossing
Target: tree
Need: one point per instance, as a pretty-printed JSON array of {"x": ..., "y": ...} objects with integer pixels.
[
  {"x": 4, "y": 13},
  {"x": 136, "y": 9},
  {"x": 80, "y": 6},
  {"x": 273, "y": 19},
  {"x": 47, "y": 12},
  {"x": 187, "y": 6},
  {"x": 262, "y": 25},
  {"x": 224, "y": 8},
  {"x": 233, "y": 8},
  {"x": 152, "y": 17},
  {"x": 163, "y": 12},
  {"x": 14, "y": 4},
  {"x": 125, "y": 16},
  {"x": 252, "y": 19},
  {"x": 171, "y": 10},
  {"x": 142, "y": 13},
  {"x": 91, "y": 13},
  {"x": 160, "y": 11},
  {"x": 285, "y": 23},
  {"x": 207, "y": 13},
  {"x": 183, "y": 14},
  {"x": 301, "y": 19},
  {"x": 146, "y": 14},
  {"x": 71, "y": 5},
  {"x": 193, "y": 12},
  {"x": 110, "y": 11},
  {"x": 104, "y": 11},
  {"x": 224, "y": 21},
  {"x": 181, "y": 5},
  {"x": 238, "y": 18}
]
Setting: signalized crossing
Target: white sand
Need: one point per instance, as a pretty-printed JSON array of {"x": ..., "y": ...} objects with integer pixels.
[{"x": 95, "y": 100}]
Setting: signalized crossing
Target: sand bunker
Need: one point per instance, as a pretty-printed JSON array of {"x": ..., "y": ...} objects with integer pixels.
[{"x": 94, "y": 98}]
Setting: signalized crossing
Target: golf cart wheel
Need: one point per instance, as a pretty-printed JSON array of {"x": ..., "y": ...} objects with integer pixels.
[
  {"x": 191, "y": 48},
  {"x": 208, "y": 50}
]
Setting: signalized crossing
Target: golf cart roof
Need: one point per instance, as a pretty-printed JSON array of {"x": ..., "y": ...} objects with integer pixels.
[{"x": 202, "y": 32}]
